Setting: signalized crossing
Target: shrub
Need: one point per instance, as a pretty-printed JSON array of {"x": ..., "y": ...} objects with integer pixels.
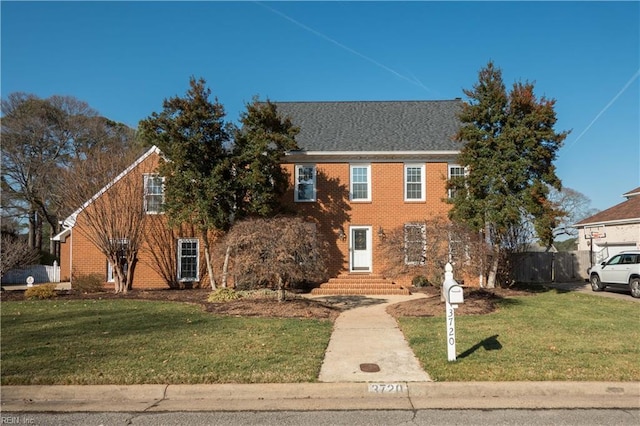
[
  {"x": 92, "y": 283},
  {"x": 223, "y": 295},
  {"x": 44, "y": 291},
  {"x": 419, "y": 281}
]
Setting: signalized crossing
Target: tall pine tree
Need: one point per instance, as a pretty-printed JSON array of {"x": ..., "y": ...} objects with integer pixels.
[
  {"x": 509, "y": 148},
  {"x": 193, "y": 136}
]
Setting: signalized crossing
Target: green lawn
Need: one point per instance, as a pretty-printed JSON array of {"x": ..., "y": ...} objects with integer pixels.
[
  {"x": 132, "y": 342},
  {"x": 549, "y": 336}
]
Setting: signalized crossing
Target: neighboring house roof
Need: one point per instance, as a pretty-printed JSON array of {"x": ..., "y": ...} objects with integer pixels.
[
  {"x": 626, "y": 212},
  {"x": 375, "y": 126},
  {"x": 70, "y": 221}
]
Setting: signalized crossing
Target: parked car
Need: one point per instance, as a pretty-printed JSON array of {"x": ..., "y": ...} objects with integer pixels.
[{"x": 621, "y": 270}]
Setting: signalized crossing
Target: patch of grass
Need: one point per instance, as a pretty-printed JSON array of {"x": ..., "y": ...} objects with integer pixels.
[
  {"x": 135, "y": 342},
  {"x": 549, "y": 336}
]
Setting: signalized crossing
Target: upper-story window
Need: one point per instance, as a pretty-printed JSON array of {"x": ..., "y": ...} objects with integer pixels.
[
  {"x": 360, "y": 183},
  {"x": 305, "y": 187},
  {"x": 455, "y": 171},
  {"x": 414, "y": 182},
  {"x": 153, "y": 194}
]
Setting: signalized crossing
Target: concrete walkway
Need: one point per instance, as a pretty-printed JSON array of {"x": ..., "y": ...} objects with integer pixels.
[
  {"x": 363, "y": 335},
  {"x": 367, "y": 346}
]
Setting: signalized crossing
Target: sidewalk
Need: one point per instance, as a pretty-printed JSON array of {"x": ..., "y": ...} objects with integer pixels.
[
  {"x": 364, "y": 340},
  {"x": 367, "y": 346}
]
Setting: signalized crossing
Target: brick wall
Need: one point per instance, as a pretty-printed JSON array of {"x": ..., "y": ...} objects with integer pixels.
[{"x": 387, "y": 209}]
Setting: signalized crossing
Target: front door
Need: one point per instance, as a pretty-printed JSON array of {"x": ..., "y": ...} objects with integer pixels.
[{"x": 360, "y": 247}]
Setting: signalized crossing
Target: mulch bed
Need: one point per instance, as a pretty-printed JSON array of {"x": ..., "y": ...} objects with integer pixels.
[{"x": 476, "y": 302}]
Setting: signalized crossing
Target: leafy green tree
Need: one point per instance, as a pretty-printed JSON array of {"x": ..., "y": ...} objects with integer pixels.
[
  {"x": 259, "y": 144},
  {"x": 193, "y": 136},
  {"x": 509, "y": 148}
]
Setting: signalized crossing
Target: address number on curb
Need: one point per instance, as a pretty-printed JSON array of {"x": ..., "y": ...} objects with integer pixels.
[{"x": 386, "y": 388}]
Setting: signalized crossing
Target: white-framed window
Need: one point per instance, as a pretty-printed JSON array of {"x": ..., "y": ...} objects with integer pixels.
[
  {"x": 305, "y": 187},
  {"x": 414, "y": 182},
  {"x": 360, "y": 182},
  {"x": 455, "y": 171},
  {"x": 188, "y": 259},
  {"x": 153, "y": 194},
  {"x": 122, "y": 258},
  {"x": 415, "y": 243}
]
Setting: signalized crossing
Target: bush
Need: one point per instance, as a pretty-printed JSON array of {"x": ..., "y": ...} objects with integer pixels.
[
  {"x": 44, "y": 291},
  {"x": 92, "y": 283},
  {"x": 223, "y": 295},
  {"x": 420, "y": 281}
]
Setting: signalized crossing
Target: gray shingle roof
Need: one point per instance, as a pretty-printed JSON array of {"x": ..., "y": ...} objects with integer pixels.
[{"x": 375, "y": 125}]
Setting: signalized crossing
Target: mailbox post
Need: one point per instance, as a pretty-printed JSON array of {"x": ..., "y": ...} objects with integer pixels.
[{"x": 453, "y": 296}]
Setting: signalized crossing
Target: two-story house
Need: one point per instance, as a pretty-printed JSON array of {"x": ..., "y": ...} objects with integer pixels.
[{"x": 363, "y": 169}]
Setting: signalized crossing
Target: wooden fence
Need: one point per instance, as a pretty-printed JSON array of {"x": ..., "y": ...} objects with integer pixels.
[
  {"x": 40, "y": 274},
  {"x": 535, "y": 267}
]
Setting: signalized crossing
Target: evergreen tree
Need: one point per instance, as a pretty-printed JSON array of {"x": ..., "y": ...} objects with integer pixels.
[
  {"x": 193, "y": 136},
  {"x": 259, "y": 145},
  {"x": 509, "y": 148}
]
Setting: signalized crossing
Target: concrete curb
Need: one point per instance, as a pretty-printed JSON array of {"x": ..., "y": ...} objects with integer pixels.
[{"x": 321, "y": 396}]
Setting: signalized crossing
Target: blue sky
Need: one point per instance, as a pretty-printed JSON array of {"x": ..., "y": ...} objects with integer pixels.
[{"x": 124, "y": 58}]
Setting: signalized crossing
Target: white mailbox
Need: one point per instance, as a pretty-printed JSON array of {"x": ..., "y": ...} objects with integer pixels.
[{"x": 452, "y": 290}]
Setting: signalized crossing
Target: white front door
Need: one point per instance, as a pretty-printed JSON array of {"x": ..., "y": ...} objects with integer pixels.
[{"x": 360, "y": 247}]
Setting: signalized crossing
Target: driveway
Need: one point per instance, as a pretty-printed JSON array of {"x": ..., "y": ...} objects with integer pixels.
[{"x": 583, "y": 287}]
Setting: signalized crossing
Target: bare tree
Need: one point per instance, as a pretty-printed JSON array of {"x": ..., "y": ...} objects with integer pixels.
[
  {"x": 113, "y": 217},
  {"x": 16, "y": 253},
  {"x": 39, "y": 139},
  {"x": 424, "y": 247},
  {"x": 576, "y": 207},
  {"x": 161, "y": 245},
  {"x": 276, "y": 252}
]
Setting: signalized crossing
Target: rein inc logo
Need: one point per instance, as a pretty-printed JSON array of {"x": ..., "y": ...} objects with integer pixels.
[{"x": 17, "y": 420}]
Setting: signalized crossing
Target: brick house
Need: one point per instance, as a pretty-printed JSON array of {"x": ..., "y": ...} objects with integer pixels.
[
  {"x": 612, "y": 230},
  {"x": 363, "y": 169}
]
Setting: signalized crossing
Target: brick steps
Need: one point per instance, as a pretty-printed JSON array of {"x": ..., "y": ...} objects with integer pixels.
[{"x": 360, "y": 284}]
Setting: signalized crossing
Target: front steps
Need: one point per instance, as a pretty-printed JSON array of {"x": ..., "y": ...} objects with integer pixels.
[{"x": 360, "y": 284}]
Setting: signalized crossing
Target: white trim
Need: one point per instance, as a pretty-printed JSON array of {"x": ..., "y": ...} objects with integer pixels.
[
  {"x": 376, "y": 153},
  {"x": 147, "y": 177},
  {"x": 630, "y": 221},
  {"x": 454, "y": 166},
  {"x": 197, "y": 257},
  {"x": 296, "y": 197},
  {"x": 367, "y": 167},
  {"x": 368, "y": 250},
  {"x": 377, "y": 156},
  {"x": 423, "y": 233},
  {"x": 423, "y": 182},
  {"x": 70, "y": 221}
]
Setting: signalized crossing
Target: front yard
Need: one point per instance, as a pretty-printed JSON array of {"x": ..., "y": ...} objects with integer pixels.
[
  {"x": 137, "y": 341},
  {"x": 106, "y": 339}
]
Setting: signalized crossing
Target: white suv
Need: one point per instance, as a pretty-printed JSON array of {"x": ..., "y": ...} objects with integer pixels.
[{"x": 619, "y": 270}]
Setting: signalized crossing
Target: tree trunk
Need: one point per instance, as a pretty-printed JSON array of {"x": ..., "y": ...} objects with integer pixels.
[
  {"x": 225, "y": 266},
  {"x": 493, "y": 272},
  {"x": 282, "y": 295},
  {"x": 32, "y": 229},
  {"x": 207, "y": 258},
  {"x": 39, "y": 230},
  {"x": 131, "y": 266}
]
